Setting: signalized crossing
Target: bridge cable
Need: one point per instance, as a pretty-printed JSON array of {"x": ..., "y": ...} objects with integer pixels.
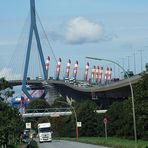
[
  {"x": 20, "y": 39},
  {"x": 47, "y": 38}
]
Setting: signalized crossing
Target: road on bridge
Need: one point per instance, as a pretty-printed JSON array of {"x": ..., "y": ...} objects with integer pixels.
[{"x": 66, "y": 144}]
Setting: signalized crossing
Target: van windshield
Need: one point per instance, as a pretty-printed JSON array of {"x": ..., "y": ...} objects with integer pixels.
[{"x": 44, "y": 130}]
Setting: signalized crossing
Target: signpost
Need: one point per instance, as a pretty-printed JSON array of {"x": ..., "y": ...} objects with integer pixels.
[
  {"x": 28, "y": 125},
  {"x": 105, "y": 123},
  {"x": 79, "y": 124}
]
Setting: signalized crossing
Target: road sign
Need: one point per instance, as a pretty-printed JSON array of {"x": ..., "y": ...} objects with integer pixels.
[
  {"x": 79, "y": 124},
  {"x": 105, "y": 123},
  {"x": 105, "y": 120},
  {"x": 28, "y": 125}
]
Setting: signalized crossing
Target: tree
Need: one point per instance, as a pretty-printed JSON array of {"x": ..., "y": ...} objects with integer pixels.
[
  {"x": 11, "y": 123},
  {"x": 121, "y": 117},
  {"x": 5, "y": 90},
  {"x": 87, "y": 115},
  {"x": 38, "y": 104},
  {"x": 120, "y": 121},
  {"x": 141, "y": 106}
]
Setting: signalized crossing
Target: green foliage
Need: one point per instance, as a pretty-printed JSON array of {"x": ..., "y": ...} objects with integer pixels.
[
  {"x": 120, "y": 114},
  {"x": 11, "y": 124},
  {"x": 141, "y": 106},
  {"x": 120, "y": 121},
  {"x": 5, "y": 90},
  {"x": 87, "y": 115},
  {"x": 146, "y": 66},
  {"x": 38, "y": 104},
  {"x": 32, "y": 144},
  {"x": 59, "y": 103}
]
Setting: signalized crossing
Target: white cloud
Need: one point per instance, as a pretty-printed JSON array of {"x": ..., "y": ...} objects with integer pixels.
[
  {"x": 80, "y": 30},
  {"x": 9, "y": 74}
]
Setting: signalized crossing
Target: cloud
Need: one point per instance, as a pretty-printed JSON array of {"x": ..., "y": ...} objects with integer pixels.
[
  {"x": 80, "y": 30},
  {"x": 9, "y": 74}
]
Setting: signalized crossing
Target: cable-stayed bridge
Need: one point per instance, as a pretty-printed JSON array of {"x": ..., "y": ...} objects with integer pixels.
[
  {"x": 104, "y": 95},
  {"x": 41, "y": 70}
]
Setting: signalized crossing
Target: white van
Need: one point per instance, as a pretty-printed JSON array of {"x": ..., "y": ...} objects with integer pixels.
[{"x": 44, "y": 132}]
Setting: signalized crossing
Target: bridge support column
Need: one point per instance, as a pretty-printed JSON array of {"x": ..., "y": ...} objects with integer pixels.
[{"x": 33, "y": 29}]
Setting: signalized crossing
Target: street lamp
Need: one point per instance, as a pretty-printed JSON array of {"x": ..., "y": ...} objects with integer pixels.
[
  {"x": 69, "y": 102},
  {"x": 132, "y": 94}
]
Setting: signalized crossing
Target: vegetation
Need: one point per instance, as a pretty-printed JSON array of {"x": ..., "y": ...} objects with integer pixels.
[
  {"x": 141, "y": 107},
  {"x": 5, "y": 90},
  {"x": 32, "y": 144},
  {"x": 120, "y": 114},
  {"x": 111, "y": 142},
  {"x": 87, "y": 115},
  {"x": 11, "y": 123},
  {"x": 146, "y": 66},
  {"x": 38, "y": 104}
]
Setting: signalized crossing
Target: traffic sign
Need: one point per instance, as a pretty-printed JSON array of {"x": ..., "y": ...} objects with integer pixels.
[
  {"x": 105, "y": 120},
  {"x": 105, "y": 124},
  {"x": 79, "y": 124},
  {"x": 28, "y": 125}
]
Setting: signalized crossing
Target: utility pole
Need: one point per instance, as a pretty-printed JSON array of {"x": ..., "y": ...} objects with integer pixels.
[
  {"x": 128, "y": 62},
  {"x": 123, "y": 62},
  {"x": 141, "y": 58},
  {"x": 134, "y": 62}
]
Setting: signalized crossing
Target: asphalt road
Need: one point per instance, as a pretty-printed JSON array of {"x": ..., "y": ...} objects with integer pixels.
[{"x": 66, "y": 144}]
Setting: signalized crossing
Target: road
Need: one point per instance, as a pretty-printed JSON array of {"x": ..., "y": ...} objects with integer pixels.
[{"x": 66, "y": 144}]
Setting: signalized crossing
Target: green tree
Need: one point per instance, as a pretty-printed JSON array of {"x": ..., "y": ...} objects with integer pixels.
[
  {"x": 59, "y": 124},
  {"x": 38, "y": 104},
  {"x": 141, "y": 106},
  {"x": 5, "y": 90},
  {"x": 120, "y": 121},
  {"x": 87, "y": 115},
  {"x": 120, "y": 114},
  {"x": 11, "y": 124}
]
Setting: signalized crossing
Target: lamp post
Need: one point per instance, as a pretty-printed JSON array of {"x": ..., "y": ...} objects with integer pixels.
[
  {"x": 69, "y": 102},
  {"x": 132, "y": 94}
]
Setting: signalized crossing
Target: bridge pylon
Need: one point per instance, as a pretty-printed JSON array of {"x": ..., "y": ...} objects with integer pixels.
[{"x": 33, "y": 30}]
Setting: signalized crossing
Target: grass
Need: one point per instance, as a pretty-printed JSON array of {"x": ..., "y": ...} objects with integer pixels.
[{"x": 111, "y": 142}]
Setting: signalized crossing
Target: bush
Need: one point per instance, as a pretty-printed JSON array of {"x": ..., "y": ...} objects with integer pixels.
[
  {"x": 11, "y": 146},
  {"x": 32, "y": 144}
]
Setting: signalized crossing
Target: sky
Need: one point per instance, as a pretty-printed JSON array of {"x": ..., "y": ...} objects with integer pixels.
[{"x": 111, "y": 29}]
